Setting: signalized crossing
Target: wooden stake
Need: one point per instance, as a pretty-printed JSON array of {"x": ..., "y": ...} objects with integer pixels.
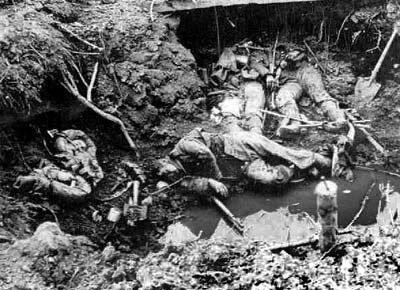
[{"x": 327, "y": 208}]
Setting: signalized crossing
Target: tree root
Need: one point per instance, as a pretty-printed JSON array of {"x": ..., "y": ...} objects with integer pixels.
[{"x": 70, "y": 85}]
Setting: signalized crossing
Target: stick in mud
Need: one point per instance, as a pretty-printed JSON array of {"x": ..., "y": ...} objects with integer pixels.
[
  {"x": 327, "y": 209},
  {"x": 362, "y": 207}
]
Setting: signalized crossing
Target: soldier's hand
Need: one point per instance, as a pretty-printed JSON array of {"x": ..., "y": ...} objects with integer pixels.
[
  {"x": 271, "y": 83},
  {"x": 218, "y": 187}
]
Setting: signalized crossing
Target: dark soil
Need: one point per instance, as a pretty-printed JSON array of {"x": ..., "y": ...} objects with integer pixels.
[{"x": 149, "y": 79}]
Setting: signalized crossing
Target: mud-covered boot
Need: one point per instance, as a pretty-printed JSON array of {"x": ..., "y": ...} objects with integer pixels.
[
  {"x": 331, "y": 109},
  {"x": 289, "y": 131}
]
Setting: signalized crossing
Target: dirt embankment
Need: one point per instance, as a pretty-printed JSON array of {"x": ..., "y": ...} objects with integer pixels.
[
  {"x": 144, "y": 72},
  {"x": 148, "y": 79},
  {"x": 145, "y": 77}
]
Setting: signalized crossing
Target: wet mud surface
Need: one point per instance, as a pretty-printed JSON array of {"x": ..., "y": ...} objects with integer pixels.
[{"x": 289, "y": 214}]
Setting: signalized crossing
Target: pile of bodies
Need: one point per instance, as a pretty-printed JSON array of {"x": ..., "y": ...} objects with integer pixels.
[
  {"x": 77, "y": 171},
  {"x": 245, "y": 84}
]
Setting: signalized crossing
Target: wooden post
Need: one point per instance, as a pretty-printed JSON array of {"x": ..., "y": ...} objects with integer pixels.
[{"x": 326, "y": 192}]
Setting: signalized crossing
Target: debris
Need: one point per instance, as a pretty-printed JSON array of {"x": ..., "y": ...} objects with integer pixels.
[
  {"x": 109, "y": 253},
  {"x": 327, "y": 209},
  {"x": 134, "y": 212},
  {"x": 363, "y": 203},
  {"x": 117, "y": 194},
  {"x": 134, "y": 170},
  {"x": 161, "y": 185},
  {"x": 96, "y": 216},
  {"x": 114, "y": 215},
  {"x": 373, "y": 142}
]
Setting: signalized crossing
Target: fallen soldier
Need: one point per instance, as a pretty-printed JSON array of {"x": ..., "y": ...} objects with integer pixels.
[
  {"x": 250, "y": 155},
  {"x": 77, "y": 152},
  {"x": 295, "y": 76},
  {"x": 244, "y": 94},
  {"x": 51, "y": 181},
  {"x": 241, "y": 102}
]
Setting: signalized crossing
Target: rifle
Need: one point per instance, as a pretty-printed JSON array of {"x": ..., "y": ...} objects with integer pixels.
[
  {"x": 237, "y": 225},
  {"x": 272, "y": 70}
]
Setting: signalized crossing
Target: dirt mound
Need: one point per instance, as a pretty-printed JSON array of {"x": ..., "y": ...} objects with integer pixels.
[
  {"x": 144, "y": 73},
  {"x": 23, "y": 262},
  {"x": 51, "y": 259}
]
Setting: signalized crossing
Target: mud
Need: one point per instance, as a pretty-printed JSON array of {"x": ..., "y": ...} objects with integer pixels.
[
  {"x": 289, "y": 214},
  {"x": 149, "y": 79}
]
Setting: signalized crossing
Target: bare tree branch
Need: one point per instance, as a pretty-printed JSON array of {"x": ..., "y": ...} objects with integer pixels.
[{"x": 71, "y": 87}]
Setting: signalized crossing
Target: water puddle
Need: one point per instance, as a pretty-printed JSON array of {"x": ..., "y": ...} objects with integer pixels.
[{"x": 288, "y": 215}]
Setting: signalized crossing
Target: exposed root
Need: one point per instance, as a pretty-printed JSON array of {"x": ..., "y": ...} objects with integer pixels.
[
  {"x": 70, "y": 85},
  {"x": 342, "y": 26},
  {"x": 151, "y": 11},
  {"x": 92, "y": 80},
  {"x": 66, "y": 30},
  {"x": 378, "y": 42}
]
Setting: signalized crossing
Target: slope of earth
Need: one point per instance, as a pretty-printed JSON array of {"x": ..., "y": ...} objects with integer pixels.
[
  {"x": 149, "y": 80},
  {"x": 144, "y": 76}
]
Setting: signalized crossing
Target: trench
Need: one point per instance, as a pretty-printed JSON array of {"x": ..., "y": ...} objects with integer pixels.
[
  {"x": 267, "y": 215},
  {"x": 289, "y": 214}
]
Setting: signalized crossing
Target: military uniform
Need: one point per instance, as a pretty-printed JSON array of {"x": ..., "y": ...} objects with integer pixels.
[
  {"x": 210, "y": 155},
  {"x": 55, "y": 183}
]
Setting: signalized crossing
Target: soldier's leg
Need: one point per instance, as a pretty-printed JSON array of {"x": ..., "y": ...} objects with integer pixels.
[
  {"x": 231, "y": 108},
  {"x": 255, "y": 101},
  {"x": 286, "y": 104},
  {"x": 70, "y": 194},
  {"x": 311, "y": 81}
]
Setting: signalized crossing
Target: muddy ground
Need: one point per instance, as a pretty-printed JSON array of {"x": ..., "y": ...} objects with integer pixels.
[{"x": 149, "y": 79}]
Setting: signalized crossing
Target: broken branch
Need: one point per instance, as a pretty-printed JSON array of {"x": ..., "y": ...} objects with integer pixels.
[{"x": 363, "y": 203}]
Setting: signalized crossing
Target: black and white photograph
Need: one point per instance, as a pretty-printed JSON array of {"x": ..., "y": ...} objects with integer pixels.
[{"x": 199, "y": 144}]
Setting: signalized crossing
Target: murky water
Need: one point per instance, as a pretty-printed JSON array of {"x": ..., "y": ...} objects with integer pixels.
[{"x": 288, "y": 215}]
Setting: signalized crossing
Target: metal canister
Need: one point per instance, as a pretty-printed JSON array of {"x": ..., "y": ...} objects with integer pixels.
[{"x": 114, "y": 215}]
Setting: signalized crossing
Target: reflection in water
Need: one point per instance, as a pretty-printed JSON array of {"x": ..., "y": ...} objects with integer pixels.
[{"x": 288, "y": 215}]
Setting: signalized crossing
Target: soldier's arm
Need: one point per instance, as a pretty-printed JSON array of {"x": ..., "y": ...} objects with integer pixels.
[
  {"x": 195, "y": 150},
  {"x": 203, "y": 186}
]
